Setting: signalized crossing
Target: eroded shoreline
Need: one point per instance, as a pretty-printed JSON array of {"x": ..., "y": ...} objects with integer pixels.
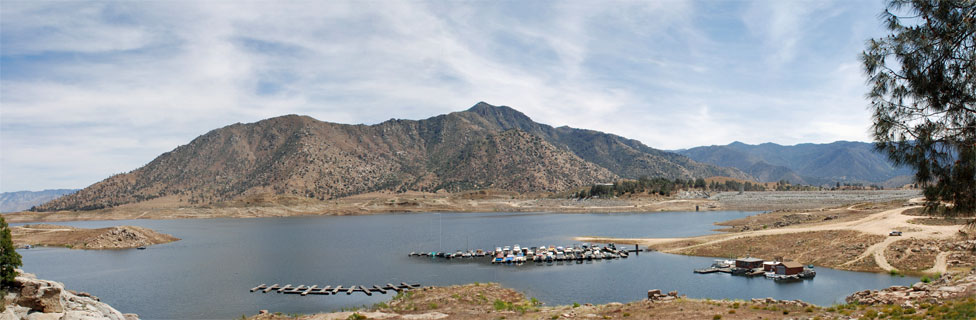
[{"x": 478, "y": 201}]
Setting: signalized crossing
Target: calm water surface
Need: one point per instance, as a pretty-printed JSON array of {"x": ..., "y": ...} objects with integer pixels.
[{"x": 209, "y": 272}]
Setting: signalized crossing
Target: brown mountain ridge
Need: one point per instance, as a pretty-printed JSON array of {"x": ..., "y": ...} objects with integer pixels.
[{"x": 483, "y": 147}]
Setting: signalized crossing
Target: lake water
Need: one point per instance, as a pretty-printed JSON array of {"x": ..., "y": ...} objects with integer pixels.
[{"x": 209, "y": 272}]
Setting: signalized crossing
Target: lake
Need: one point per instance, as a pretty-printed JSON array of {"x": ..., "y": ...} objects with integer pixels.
[{"x": 209, "y": 272}]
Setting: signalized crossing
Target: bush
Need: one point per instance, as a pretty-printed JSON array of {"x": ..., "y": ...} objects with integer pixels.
[
  {"x": 9, "y": 258},
  {"x": 717, "y": 317},
  {"x": 500, "y": 305}
]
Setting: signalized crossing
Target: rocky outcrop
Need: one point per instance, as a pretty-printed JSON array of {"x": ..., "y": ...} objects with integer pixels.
[
  {"x": 31, "y": 298},
  {"x": 127, "y": 237},
  {"x": 949, "y": 286}
]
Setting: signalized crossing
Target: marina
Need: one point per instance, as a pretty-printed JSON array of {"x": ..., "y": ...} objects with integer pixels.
[
  {"x": 751, "y": 267},
  {"x": 542, "y": 254},
  {"x": 304, "y": 290}
]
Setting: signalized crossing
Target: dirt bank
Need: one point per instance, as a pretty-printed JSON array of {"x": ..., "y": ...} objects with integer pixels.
[
  {"x": 120, "y": 237},
  {"x": 474, "y": 201}
]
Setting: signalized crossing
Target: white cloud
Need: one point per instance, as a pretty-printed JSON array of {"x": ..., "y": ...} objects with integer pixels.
[{"x": 92, "y": 89}]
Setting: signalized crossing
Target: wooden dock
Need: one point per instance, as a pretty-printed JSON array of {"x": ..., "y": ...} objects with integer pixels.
[
  {"x": 713, "y": 270},
  {"x": 305, "y": 290}
]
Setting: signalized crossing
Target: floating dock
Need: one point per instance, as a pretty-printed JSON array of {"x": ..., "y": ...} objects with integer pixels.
[
  {"x": 305, "y": 290},
  {"x": 543, "y": 254}
]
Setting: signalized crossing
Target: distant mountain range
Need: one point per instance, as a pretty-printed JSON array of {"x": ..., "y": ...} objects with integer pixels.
[
  {"x": 483, "y": 147},
  {"x": 23, "y": 200},
  {"x": 815, "y": 164}
]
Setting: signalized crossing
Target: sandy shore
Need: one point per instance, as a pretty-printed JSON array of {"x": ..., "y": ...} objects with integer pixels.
[{"x": 476, "y": 201}]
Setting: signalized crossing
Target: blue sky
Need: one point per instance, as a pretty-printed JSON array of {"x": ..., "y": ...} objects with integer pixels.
[{"x": 92, "y": 89}]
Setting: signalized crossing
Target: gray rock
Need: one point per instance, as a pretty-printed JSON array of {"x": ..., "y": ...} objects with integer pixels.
[{"x": 35, "y": 299}]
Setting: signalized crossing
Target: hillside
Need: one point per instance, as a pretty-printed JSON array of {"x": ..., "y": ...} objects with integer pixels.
[
  {"x": 483, "y": 147},
  {"x": 808, "y": 163},
  {"x": 23, "y": 200}
]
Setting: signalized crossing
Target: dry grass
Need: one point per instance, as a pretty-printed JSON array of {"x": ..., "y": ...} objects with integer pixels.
[{"x": 830, "y": 248}]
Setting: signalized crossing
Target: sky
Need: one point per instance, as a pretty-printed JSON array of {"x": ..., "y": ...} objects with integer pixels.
[{"x": 91, "y": 89}]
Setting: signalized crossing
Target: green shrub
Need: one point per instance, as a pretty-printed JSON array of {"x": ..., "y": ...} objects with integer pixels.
[
  {"x": 9, "y": 258},
  {"x": 499, "y": 305},
  {"x": 576, "y": 305}
]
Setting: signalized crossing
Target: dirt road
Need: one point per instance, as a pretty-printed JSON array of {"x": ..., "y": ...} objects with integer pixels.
[{"x": 881, "y": 223}]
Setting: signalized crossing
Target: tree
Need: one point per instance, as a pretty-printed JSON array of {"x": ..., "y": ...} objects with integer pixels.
[
  {"x": 9, "y": 258},
  {"x": 923, "y": 96}
]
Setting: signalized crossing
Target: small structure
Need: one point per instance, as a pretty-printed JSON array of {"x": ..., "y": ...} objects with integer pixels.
[
  {"x": 788, "y": 268},
  {"x": 748, "y": 263}
]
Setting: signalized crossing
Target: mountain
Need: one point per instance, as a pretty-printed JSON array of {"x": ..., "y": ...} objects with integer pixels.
[
  {"x": 841, "y": 161},
  {"x": 23, "y": 200},
  {"x": 483, "y": 147}
]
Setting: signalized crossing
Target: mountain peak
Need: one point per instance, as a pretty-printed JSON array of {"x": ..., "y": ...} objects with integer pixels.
[{"x": 486, "y": 109}]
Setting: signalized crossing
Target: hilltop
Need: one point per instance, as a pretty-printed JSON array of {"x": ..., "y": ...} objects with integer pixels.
[
  {"x": 23, "y": 200},
  {"x": 483, "y": 147},
  {"x": 807, "y": 163}
]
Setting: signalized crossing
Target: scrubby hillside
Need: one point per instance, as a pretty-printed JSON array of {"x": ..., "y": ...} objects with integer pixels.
[{"x": 485, "y": 146}]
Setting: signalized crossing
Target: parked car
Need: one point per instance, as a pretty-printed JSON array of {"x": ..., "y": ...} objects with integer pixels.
[{"x": 895, "y": 233}]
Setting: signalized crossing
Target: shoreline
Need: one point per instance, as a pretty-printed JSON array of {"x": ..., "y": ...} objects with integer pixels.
[
  {"x": 860, "y": 243},
  {"x": 413, "y": 202}
]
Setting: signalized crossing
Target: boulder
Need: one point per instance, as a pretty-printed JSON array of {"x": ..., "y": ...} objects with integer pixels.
[{"x": 36, "y": 299}]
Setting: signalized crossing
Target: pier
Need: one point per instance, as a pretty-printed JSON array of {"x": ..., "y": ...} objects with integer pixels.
[{"x": 305, "y": 290}]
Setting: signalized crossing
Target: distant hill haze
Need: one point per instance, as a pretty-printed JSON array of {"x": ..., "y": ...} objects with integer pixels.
[
  {"x": 816, "y": 164},
  {"x": 23, "y": 200},
  {"x": 483, "y": 147}
]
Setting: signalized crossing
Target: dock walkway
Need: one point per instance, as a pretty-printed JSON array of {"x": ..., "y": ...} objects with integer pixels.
[{"x": 305, "y": 290}]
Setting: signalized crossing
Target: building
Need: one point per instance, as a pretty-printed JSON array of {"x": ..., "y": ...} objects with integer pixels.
[
  {"x": 748, "y": 263},
  {"x": 788, "y": 268}
]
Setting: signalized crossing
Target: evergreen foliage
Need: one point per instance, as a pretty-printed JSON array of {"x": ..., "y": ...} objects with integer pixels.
[
  {"x": 923, "y": 96},
  {"x": 9, "y": 258}
]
